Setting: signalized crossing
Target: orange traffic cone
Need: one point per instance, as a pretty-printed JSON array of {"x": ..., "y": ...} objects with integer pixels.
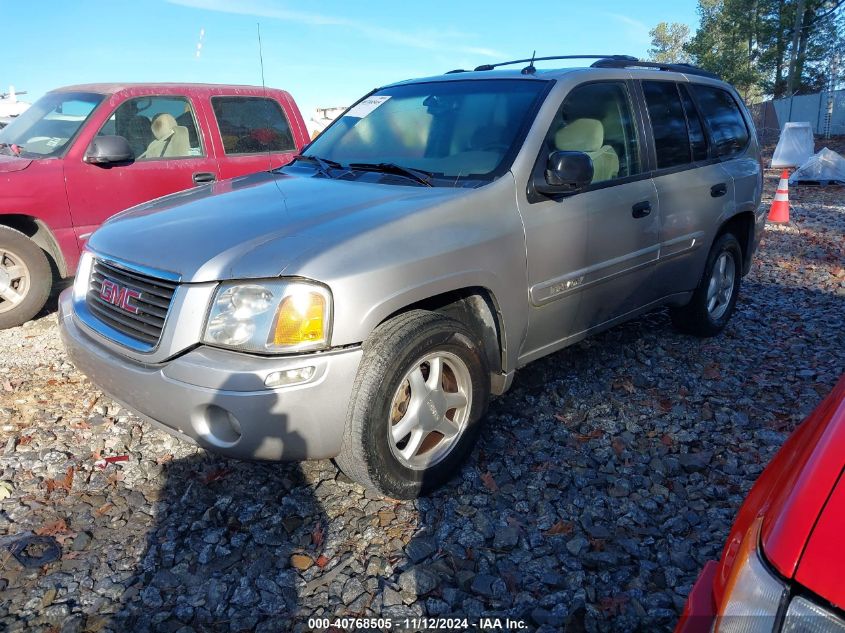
[{"x": 779, "y": 212}]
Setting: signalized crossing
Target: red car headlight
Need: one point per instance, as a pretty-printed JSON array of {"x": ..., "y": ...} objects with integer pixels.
[{"x": 753, "y": 596}]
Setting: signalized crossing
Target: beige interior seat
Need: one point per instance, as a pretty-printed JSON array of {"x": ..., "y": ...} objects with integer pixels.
[
  {"x": 171, "y": 139},
  {"x": 587, "y": 135}
]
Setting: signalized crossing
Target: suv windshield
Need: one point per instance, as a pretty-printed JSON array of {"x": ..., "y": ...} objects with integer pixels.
[
  {"x": 449, "y": 129},
  {"x": 46, "y": 128}
]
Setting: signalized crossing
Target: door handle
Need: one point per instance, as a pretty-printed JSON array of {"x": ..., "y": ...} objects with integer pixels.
[
  {"x": 718, "y": 190},
  {"x": 203, "y": 176},
  {"x": 641, "y": 209}
]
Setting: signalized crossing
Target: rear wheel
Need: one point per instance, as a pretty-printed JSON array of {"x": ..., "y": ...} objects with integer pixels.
[
  {"x": 25, "y": 278},
  {"x": 714, "y": 300},
  {"x": 419, "y": 396}
]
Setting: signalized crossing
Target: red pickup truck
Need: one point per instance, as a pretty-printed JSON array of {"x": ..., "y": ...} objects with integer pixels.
[{"x": 82, "y": 153}]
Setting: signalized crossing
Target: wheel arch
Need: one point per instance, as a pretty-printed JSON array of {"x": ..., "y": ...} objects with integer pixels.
[
  {"x": 478, "y": 309},
  {"x": 40, "y": 233},
  {"x": 742, "y": 226}
]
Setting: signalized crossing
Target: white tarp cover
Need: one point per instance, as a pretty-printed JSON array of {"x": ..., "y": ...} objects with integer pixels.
[
  {"x": 827, "y": 165},
  {"x": 795, "y": 145}
]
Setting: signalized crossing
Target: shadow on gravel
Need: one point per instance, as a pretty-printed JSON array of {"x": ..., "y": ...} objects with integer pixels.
[{"x": 227, "y": 540}]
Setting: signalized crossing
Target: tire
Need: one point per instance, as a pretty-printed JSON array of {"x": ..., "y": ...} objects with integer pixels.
[
  {"x": 31, "y": 289},
  {"x": 701, "y": 316},
  {"x": 389, "y": 377}
]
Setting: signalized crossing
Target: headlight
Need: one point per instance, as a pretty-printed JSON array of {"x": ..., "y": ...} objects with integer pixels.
[
  {"x": 805, "y": 617},
  {"x": 83, "y": 276},
  {"x": 270, "y": 316},
  {"x": 753, "y": 595}
]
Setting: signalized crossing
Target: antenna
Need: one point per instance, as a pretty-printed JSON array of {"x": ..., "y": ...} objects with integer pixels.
[
  {"x": 529, "y": 69},
  {"x": 263, "y": 88}
]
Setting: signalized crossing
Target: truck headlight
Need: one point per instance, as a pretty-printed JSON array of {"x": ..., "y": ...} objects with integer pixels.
[
  {"x": 270, "y": 316},
  {"x": 83, "y": 276},
  {"x": 753, "y": 596}
]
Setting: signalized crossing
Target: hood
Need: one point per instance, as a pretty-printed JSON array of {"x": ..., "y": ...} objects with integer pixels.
[
  {"x": 256, "y": 225},
  {"x": 802, "y": 527},
  {"x": 13, "y": 163},
  {"x": 820, "y": 569}
]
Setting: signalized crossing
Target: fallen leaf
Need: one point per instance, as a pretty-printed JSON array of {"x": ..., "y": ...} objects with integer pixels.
[
  {"x": 317, "y": 535},
  {"x": 6, "y": 489},
  {"x": 66, "y": 483},
  {"x": 592, "y": 435},
  {"x": 321, "y": 561},
  {"x": 560, "y": 528},
  {"x": 215, "y": 475},
  {"x": 53, "y": 529},
  {"x": 711, "y": 372},
  {"x": 618, "y": 445},
  {"x": 489, "y": 482},
  {"x": 103, "y": 509}
]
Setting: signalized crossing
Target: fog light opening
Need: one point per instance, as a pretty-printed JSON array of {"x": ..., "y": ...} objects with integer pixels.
[
  {"x": 289, "y": 377},
  {"x": 222, "y": 428}
]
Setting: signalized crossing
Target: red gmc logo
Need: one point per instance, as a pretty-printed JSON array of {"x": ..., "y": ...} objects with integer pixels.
[{"x": 120, "y": 296}]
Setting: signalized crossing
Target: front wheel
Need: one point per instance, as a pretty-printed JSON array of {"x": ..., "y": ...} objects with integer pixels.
[
  {"x": 418, "y": 399},
  {"x": 25, "y": 278},
  {"x": 713, "y": 302}
]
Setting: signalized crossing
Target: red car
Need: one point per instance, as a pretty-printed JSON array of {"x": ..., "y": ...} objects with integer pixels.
[
  {"x": 783, "y": 565},
  {"x": 82, "y": 153}
]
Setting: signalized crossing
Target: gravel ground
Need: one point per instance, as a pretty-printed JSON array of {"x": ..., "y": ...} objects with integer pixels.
[{"x": 603, "y": 481}]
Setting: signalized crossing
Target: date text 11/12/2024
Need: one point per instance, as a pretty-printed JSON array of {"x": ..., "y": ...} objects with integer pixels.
[{"x": 455, "y": 624}]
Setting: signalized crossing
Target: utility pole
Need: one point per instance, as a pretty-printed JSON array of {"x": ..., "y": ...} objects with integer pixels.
[{"x": 793, "y": 53}]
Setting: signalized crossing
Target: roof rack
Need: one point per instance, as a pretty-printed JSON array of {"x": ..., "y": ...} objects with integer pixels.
[
  {"x": 687, "y": 69},
  {"x": 530, "y": 68},
  {"x": 603, "y": 61}
]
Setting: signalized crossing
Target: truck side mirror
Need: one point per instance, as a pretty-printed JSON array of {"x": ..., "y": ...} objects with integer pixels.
[
  {"x": 105, "y": 150},
  {"x": 566, "y": 172}
]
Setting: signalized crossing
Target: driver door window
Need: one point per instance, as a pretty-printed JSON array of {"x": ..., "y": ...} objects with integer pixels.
[
  {"x": 156, "y": 127},
  {"x": 596, "y": 119}
]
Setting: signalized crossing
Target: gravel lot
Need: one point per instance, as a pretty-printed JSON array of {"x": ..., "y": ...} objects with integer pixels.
[{"x": 602, "y": 483}]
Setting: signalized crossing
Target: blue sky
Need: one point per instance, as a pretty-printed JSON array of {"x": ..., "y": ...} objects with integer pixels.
[{"x": 325, "y": 54}]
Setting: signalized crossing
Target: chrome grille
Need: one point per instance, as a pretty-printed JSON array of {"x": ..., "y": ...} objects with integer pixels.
[{"x": 152, "y": 304}]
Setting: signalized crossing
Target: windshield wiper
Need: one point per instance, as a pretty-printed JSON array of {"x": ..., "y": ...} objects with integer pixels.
[
  {"x": 418, "y": 175},
  {"x": 323, "y": 164}
]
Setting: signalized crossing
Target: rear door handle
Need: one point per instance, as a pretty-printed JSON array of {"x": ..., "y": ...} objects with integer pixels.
[
  {"x": 203, "y": 176},
  {"x": 718, "y": 190},
  {"x": 641, "y": 209}
]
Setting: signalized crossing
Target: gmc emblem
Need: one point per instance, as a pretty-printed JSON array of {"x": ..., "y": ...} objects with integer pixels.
[{"x": 119, "y": 296}]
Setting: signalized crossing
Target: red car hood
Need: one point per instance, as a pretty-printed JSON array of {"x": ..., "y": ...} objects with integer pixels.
[
  {"x": 804, "y": 522},
  {"x": 12, "y": 163}
]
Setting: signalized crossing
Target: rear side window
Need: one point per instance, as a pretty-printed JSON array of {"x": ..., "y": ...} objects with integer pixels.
[
  {"x": 723, "y": 117},
  {"x": 250, "y": 125},
  {"x": 698, "y": 142},
  {"x": 668, "y": 123}
]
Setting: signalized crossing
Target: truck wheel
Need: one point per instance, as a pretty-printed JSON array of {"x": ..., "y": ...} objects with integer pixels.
[
  {"x": 417, "y": 403},
  {"x": 714, "y": 300},
  {"x": 25, "y": 278}
]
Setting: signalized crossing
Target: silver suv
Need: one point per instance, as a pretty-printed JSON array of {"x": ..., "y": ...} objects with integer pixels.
[{"x": 364, "y": 302}]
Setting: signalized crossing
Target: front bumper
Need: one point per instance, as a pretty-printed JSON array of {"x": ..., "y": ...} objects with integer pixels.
[
  {"x": 700, "y": 610},
  {"x": 217, "y": 398}
]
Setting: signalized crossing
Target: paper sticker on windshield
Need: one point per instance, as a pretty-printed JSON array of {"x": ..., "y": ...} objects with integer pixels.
[{"x": 366, "y": 106}]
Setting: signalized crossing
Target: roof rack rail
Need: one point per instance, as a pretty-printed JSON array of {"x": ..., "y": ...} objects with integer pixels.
[
  {"x": 543, "y": 59},
  {"x": 687, "y": 69}
]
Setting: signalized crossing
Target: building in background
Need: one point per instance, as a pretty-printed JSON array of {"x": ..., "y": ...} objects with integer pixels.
[
  {"x": 11, "y": 106},
  {"x": 321, "y": 118}
]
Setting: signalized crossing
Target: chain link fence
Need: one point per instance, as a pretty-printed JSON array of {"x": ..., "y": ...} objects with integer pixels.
[{"x": 825, "y": 111}]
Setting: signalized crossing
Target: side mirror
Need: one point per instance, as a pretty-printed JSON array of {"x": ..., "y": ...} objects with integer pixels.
[
  {"x": 566, "y": 172},
  {"x": 105, "y": 150}
]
